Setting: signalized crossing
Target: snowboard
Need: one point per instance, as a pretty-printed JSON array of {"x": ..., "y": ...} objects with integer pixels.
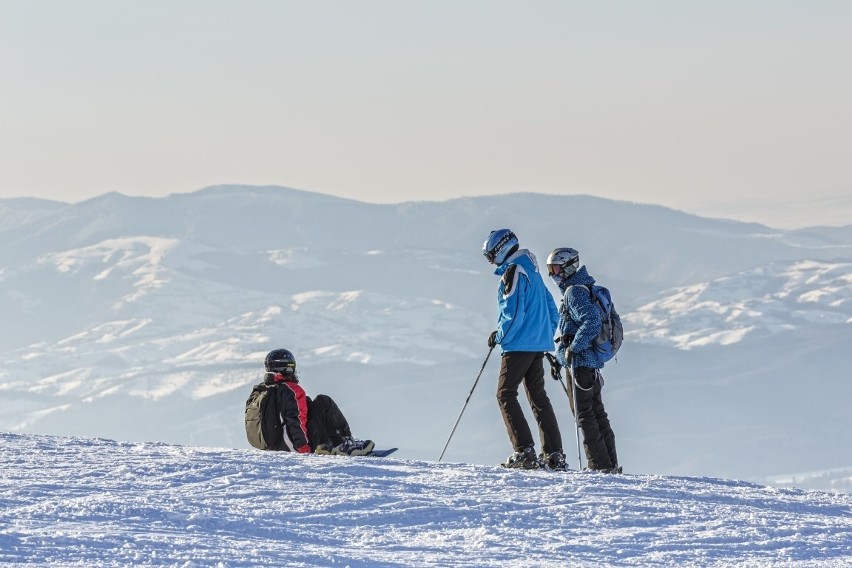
[{"x": 382, "y": 453}]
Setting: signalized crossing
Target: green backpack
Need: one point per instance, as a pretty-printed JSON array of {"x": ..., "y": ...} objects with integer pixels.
[{"x": 263, "y": 421}]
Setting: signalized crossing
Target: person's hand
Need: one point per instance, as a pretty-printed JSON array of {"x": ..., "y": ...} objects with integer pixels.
[
  {"x": 492, "y": 339},
  {"x": 555, "y": 368},
  {"x": 564, "y": 357},
  {"x": 306, "y": 449}
]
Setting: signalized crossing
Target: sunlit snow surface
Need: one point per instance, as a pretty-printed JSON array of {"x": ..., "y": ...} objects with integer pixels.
[
  {"x": 772, "y": 298},
  {"x": 93, "y": 502}
]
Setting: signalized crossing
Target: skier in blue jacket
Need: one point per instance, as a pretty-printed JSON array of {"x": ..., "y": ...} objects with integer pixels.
[
  {"x": 579, "y": 325},
  {"x": 525, "y": 326}
]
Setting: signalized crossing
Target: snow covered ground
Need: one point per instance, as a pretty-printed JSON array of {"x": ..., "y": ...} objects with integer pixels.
[{"x": 95, "y": 502}]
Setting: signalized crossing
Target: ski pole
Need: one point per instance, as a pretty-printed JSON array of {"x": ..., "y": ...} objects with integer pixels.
[
  {"x": 555, "y": 372},
  {"x": 574, "y": 412},
  {"x": 465, "y": 402}
]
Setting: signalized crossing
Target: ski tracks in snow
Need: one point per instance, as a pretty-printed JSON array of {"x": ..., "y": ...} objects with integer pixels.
[{"x": 93, "y": 502}]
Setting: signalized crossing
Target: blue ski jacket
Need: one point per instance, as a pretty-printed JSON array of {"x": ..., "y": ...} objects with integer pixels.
[
  {"x": 578, "y": 317},
  {"x": 527, "y": 313}
]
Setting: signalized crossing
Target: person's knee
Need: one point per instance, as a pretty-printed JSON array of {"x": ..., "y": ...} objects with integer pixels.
[
  {"x": 323, "y": 401},
  {"x": 506, "y": 396},
  {"x": 585, "y": 410}
]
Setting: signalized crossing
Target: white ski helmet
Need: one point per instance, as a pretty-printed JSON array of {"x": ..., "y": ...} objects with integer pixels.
[{"x": 562, "y": 263}]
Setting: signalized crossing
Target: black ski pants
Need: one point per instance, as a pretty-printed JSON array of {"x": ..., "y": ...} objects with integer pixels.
[
  {"x": 598, "y": 437},
  {"x": 326, "y": 423},
  {"x": 526, "y": 367}
]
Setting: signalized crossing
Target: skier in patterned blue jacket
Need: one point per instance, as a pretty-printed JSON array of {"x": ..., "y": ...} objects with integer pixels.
[
  {"x": 525, "y": 326},
  {"x": 579, "y": 325}
]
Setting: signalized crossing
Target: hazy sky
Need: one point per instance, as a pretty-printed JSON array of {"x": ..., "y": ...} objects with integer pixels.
[{"x": 699, "y": 105}]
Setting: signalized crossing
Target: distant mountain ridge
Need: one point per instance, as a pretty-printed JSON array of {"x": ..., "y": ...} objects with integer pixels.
[
  {"x": 157, "y": 313},
  {"x": 253, "y": 218}
]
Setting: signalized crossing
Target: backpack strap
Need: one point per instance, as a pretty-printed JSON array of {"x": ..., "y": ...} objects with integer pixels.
[{"x": 565, "y": 295}]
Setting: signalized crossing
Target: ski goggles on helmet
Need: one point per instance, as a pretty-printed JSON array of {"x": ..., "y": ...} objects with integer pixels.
[
  {"x": 283, "y": 367},
  {"x": 554, "y": 269},
  {"x": 491, "y": 254}
]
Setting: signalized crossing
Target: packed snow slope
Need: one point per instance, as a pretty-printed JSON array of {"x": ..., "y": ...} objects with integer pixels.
[
  {"x": 94, "y": 502},
  {"x": 147, "y": 319}
]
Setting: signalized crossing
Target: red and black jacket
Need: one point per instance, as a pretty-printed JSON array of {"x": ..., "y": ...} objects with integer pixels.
[{"x": 293, "y": 408}]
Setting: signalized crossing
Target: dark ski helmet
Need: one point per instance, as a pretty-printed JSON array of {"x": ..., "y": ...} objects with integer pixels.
[
  {"x": 562, "y": 263},
  {"x": 499, "y": 245},
  {"x": 280, "y": 361}
]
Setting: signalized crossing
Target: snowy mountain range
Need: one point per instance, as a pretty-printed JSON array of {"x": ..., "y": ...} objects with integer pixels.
[
  {"x": 147, "y": 319},
  {"x": 107, "y": 503}
]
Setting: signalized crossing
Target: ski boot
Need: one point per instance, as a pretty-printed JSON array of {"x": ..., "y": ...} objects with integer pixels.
[
  {"x": 554, "y": 461},
  {"x": 523, "y": 459},
  {"x": 352, "y": 447}
]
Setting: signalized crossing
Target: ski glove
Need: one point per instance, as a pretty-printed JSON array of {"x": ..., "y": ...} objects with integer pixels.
[
  {"x": 555, "y": 368},
  {"x": 306, "y": 449},
  {"x": 563, "y": 355},
  {"x": 492, "y": 339}
]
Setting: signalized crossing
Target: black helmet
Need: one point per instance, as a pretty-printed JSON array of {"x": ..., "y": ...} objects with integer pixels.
[{"x": 280, "y": 361}]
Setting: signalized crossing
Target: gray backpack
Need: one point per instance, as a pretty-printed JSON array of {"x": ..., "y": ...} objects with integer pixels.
[{"x": 263, "y": 421}]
